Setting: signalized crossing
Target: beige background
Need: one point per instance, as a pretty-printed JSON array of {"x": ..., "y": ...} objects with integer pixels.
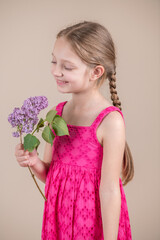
[{"x": 28, "y": 30}]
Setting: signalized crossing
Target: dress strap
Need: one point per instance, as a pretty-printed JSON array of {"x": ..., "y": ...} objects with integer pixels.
[
  {"x": 59, "y": 108},
  {"x": 105, "y": 112},
  {"x": 99, "y": 118}
]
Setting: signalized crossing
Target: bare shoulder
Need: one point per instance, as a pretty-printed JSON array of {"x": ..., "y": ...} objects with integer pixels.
[
  {"x": 112, "y": 127},
  {"x": 114, "y": 118}
]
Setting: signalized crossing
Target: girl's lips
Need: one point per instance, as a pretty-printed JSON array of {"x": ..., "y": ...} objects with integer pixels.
[{"x": 60, "y": 82}]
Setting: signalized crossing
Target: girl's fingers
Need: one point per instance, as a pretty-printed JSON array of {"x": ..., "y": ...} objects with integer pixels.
[
  {"x": 19, "y": 146},
  {"x": 25, "y": 158},
  {"x": 22, "y": 159},
  {"x": 25, "y": 163},
  {"x": 20, "y": 153}
]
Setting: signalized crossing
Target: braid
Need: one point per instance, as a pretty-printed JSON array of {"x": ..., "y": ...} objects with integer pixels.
[
  {"x": 128, "y": 165},
  {"x": 113, "y": 91}
]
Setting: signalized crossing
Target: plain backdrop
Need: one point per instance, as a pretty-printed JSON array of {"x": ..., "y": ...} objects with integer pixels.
[{"x": 27, "y": 34}]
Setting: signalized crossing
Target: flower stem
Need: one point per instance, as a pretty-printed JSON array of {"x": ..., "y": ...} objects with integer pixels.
[
  {"x": 20, "y": 137},
  {"x": 37, "y": 183},
  {"x": 33, "y": 174},
  {"x": 37, "y": 126}
]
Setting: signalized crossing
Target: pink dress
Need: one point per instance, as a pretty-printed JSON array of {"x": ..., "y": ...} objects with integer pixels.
[{"x": 73, "y": 210}]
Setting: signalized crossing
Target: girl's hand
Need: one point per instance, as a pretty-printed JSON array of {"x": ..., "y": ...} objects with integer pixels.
[{"x": 25, "y": 158}]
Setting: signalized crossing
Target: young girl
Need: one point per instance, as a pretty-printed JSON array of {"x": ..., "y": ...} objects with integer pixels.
[{"x": 83, "y": 187}]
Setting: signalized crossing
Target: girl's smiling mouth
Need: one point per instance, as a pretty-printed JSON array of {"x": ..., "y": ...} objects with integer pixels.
[{"x": 60, "y": 82}]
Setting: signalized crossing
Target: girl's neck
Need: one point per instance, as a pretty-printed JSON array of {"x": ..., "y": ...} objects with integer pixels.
[{"x": 86, "y": 100}]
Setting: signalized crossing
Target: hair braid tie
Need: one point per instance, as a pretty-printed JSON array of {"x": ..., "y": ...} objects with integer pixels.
[{"x": 113, "y": 91}]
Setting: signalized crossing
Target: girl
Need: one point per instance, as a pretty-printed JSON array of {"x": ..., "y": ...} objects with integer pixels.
[{"x": 83, "y": 187}]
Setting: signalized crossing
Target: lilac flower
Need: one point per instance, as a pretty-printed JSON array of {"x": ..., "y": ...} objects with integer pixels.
[
  {"x": 25, "y": 118},
  {"x": 35, "y": 104},
  {"x": 15, "y": 134},
  {"x": 16, "y": 118}
]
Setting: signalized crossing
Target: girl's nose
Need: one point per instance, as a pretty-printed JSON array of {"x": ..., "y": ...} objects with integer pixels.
[{"x": 56, "y": 71}]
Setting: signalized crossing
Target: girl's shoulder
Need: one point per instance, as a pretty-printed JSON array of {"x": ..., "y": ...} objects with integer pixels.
[
  {"x": 113, "y": 117},
  {"x": 111, "y": 122}
]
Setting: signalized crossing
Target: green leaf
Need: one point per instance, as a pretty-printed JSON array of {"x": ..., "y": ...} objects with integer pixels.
[
  {"x": 59, "y": 125},
  {"x": 30, "y": 142},
  {"x": 50, "y": 115},
  {"x": 48, "y": 135},
  {"x": 40, "y": 124}
]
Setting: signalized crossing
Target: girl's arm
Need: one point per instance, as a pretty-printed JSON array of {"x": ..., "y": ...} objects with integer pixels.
[
  {"x": 39, "y": 167},
  {"x": 110, "y": 196}
]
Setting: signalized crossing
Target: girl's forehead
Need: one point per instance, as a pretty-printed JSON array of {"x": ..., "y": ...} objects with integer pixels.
[
  {"x": 63, "y": 51},
  {"x": 63, "y": 45}
]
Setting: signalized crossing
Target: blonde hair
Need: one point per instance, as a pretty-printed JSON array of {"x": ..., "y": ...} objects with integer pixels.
[{"x": 93, "y": 43}]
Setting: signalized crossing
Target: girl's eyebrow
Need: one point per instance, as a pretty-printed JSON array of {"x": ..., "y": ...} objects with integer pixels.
[{"x": 65, "y": 60}]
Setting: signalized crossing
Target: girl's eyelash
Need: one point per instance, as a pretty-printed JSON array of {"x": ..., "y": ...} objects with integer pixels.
[
  {"x": 64, "y": 67},
  {"x": 68, "y": 68}
]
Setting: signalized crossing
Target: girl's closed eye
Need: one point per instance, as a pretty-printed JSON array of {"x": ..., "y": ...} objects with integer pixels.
[
  {"x": 68, "y": 68},
  {"x": 64, "y": 66}
]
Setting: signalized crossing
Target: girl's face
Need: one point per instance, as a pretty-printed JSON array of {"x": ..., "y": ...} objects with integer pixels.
[{"x": 70, "y": 73}]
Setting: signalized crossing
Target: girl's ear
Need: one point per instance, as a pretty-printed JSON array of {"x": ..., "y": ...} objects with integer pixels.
[{"x": 96, "y": 72}]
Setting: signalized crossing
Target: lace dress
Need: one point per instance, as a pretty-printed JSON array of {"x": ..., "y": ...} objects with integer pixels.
[{"x": 73, "y": 210}]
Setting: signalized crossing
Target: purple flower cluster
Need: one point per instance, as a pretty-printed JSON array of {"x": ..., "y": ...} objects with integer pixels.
[{"x": 25, "y": 118}]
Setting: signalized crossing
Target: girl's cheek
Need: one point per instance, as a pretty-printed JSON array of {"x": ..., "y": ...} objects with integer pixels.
[{"x": 70, "y": 76}]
